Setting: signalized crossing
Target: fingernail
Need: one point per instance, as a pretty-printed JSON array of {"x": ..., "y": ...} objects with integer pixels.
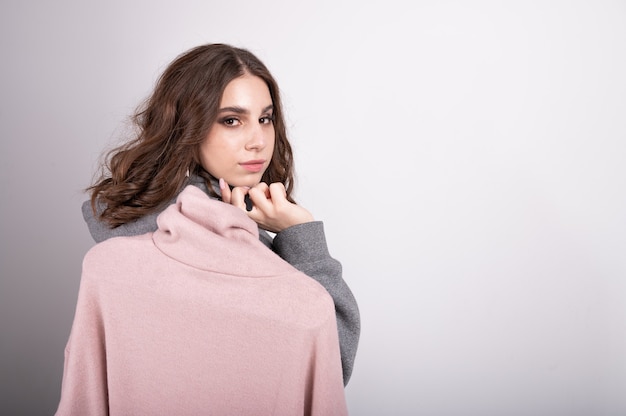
[{"x": 222, "y": 184}]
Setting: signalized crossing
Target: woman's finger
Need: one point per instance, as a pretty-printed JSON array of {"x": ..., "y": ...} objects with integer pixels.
[
  {"x": 277, "y": 192},
  {"x": 238, "y": 195},
  {"x": 259, "y": 195},
  {"x": 225, "y": 191}
]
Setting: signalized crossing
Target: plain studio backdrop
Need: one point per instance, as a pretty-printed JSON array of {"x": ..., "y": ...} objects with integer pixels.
[{"x": 468, "y": 160}]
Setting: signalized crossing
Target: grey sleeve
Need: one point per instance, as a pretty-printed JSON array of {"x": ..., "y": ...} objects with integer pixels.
[
  {"x": 100, "y": 231},
  {"x": 304, "y": 246}
]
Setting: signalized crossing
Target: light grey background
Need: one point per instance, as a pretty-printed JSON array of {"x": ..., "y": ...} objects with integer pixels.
[{"x": 468, "y": 159}]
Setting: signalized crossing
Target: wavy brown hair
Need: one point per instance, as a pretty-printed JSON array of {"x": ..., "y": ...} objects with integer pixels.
[{"x": 147, "y": 172}]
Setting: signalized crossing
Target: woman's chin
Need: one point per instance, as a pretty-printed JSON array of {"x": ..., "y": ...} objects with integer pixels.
[{"x": 243, "y": 183}]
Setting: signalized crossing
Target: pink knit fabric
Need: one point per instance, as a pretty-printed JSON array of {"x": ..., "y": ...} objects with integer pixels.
[{"x": 200, "y": 318}]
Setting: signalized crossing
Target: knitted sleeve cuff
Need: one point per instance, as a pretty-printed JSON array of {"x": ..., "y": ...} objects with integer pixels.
[{"x": 302, "y": 243}]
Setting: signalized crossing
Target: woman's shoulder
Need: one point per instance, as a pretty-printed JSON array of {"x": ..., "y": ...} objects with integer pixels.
[{"x": 101, "y": 231}]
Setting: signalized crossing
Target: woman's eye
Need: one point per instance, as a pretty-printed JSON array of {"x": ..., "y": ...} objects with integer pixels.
[
  {"x": 266, "y": 120},
  {"x": 230, "y": 121}
]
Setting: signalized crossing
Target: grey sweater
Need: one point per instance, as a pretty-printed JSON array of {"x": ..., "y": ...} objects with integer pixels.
[{"x": 303, "y": 246}]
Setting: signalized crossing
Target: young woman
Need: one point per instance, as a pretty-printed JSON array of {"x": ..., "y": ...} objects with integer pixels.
[{"x": 214, "y": 120}]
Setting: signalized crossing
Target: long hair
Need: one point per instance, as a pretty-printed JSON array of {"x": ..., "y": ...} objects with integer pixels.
[{"x": 142, "y": 175}]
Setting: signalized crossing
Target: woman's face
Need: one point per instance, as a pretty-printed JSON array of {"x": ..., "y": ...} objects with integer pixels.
[{"x": 240, "y": 144}]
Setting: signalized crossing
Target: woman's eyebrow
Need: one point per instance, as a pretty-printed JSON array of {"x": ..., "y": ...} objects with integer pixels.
[
  {"x": 241, "y": 110},
  {"x": 234, "y": 109}
]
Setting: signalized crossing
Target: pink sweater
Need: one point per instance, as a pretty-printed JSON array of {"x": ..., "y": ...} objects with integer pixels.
[{"x": 200, "y": 318}]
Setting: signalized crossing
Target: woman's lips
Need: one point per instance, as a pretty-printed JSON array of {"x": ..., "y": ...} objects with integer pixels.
[{"x": 253, "y": 165}]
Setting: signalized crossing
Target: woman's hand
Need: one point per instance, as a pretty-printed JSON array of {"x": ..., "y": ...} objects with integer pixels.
[{"x": 271, "y": 209}]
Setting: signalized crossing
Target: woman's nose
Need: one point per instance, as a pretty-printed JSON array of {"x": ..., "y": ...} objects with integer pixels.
[{"x": 257, "y": 139}]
